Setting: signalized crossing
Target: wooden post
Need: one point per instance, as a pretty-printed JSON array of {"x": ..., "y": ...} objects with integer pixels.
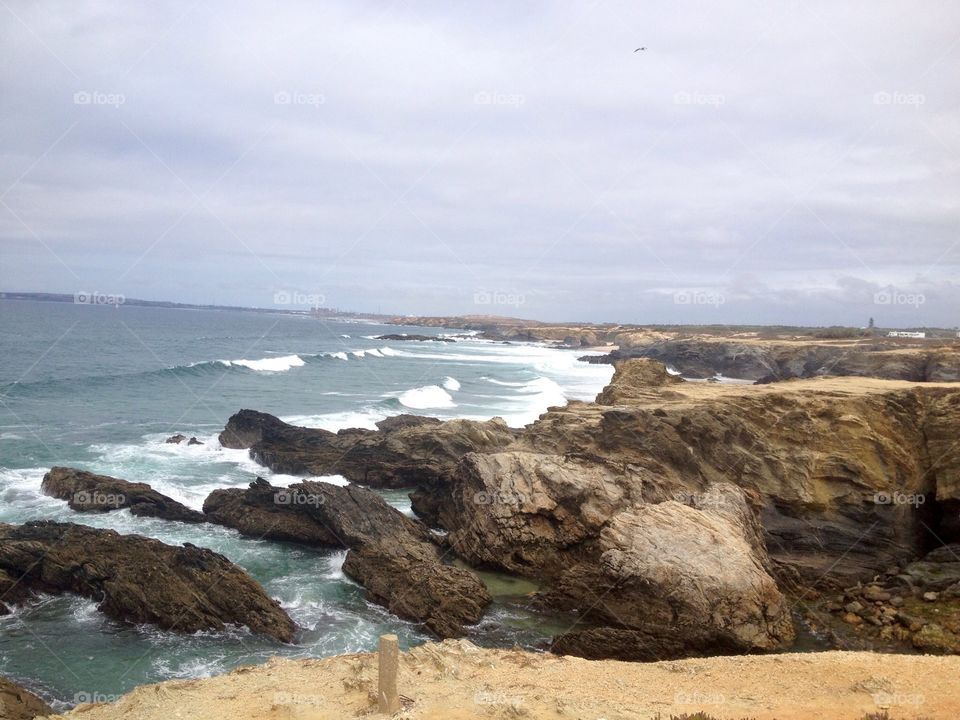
[{"x": 389, "y": 661}]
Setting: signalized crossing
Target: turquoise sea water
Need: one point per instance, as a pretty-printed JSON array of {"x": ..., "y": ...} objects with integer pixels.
[{"x": 100, "y": 388}]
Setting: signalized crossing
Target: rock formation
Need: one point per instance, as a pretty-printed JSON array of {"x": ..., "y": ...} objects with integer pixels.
[
  {"x": 415, "y": 338},
  {"x": 406, "y": 450},
  {"x": 19, "y": 704},
  {"x": 87, "y": 492},
  {"x": 136, "y": 579},
  {"x": 807, "y": 484},
  {"x": 393, "y": 557},
  {"x": 771, "y": 361}
]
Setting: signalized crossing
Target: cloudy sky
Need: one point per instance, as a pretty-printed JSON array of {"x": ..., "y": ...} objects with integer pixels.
[{"x": 759, "y": 162}]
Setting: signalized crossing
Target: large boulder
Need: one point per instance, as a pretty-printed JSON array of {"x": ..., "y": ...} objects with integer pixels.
[
  {"x": 404, "y": 451},
  {"x": 676, "y": 578},
  {"x": 87, "y": 492},
  {"x": 137, "y": 579},
  {"x": 394, "y": 557}
]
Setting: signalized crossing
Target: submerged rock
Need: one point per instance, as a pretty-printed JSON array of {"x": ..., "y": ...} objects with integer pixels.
[
  {"x": 86, "y": 492},
  {"x": 394, "y": 557},
  {"x": 137, "y": 579}
]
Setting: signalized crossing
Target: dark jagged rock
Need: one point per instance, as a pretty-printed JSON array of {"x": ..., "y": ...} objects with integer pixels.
[
  {"x": 405, "y": 451},
  {"x": 87, "y": 492},
  {"x": 175, "y": 439},
  {"x": 16, "y": 703},
  {"x": 194, "y": 441},
  {"x": 391, "y": 555},
  {"x": 138, "y": 579},
  {"x": 415, "y": 338}
]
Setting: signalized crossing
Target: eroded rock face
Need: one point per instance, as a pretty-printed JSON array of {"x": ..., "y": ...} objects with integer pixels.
[
  {"x": 16, "y": 703},
  {"x": 836, "y": 479},
  {"x": 846, "y": 474},
  {"x": 773, "y": 361},
  {"x": 682, "y": 579},
  {"x": 405, "y": 451},
  {"x": 137, "y": 579},
  {"x": 88, "y": 492},
  {"x": 392, "y": 556}
]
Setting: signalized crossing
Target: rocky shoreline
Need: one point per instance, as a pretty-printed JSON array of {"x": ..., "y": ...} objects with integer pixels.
[{"x": 671, "y": 518}]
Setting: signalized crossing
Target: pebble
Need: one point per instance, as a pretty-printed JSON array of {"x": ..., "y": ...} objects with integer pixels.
[
  {"x": 930, "y": 596},
  {"x": 875, "y": 594}
]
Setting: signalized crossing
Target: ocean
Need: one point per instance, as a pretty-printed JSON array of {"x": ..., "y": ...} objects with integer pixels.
[{"x": 101, "y": 388}]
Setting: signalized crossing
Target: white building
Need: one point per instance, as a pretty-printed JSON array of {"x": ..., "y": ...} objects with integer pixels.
[{"x": 906, "y": 334}]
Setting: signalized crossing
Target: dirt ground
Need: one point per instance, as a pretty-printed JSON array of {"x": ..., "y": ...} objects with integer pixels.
[{"x": 455, "y": 680}]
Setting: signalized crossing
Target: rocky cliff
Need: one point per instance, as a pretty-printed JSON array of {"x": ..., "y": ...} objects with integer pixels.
[{"x": 671, "y": 515}]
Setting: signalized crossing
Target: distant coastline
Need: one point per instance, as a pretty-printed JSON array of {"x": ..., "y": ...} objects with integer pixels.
[{"x": 94, "y": 298}]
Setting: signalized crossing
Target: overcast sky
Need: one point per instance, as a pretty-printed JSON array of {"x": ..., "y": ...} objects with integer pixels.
[{"x": 759, "y": 162}]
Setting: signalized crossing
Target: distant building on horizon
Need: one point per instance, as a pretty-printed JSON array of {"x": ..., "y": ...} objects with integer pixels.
[{"x": 907, "y": 334}]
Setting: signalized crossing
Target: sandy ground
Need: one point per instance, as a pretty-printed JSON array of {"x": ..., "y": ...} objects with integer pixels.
[{"x": 455, "y": 680}]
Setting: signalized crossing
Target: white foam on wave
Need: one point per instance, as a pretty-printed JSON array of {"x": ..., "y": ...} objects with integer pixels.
[
  {"x": 428, "y": 396},
  {"x": 364, "y": 418},
  {"x": 172, "y": 468},
  {"x": 20, "y": 496},
  {"x": 339, "y": 355},
  {"x": 389, "y": 352},
  {"x": 281, "y": 480},
  {"x": 277, "y": 364},
  {"x": 451, "y": 383},
  {"x": 358, "y": 353},
  {"x": 374, "y": 352}
]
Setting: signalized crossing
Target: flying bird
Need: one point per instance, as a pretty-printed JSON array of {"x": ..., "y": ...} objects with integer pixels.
[{"x": 639, "y": 49}]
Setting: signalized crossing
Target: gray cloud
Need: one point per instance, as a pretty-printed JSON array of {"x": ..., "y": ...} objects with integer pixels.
[{"x": 794, "y": 159}]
